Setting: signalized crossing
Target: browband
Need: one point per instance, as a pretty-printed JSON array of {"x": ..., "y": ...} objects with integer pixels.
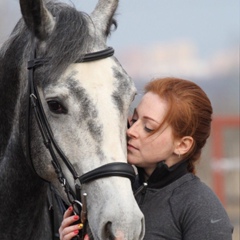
[{"x": 88, "y": 57}]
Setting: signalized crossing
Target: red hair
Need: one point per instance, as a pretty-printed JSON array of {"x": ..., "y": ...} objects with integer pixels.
[{"x": 189, "y": 112}]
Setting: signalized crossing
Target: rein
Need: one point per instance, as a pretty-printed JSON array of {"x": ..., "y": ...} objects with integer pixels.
[{"x": 35, "y": 105}]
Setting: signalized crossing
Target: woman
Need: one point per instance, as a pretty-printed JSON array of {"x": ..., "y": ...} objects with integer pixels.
[{"x": 167, "y": 132}]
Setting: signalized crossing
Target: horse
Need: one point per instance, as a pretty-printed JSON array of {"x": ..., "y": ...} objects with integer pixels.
[{"x": 64, "y": 102}]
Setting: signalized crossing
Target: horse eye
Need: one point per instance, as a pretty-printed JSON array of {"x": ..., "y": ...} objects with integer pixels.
[{"x": 56, "y": 107}]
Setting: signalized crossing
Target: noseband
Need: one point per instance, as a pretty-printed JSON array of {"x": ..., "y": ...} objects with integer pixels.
[{"x": 34, "y": 103}]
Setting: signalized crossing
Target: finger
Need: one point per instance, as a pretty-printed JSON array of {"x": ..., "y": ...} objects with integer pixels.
[
  {"x": 86, "y": 237},
  {"x": 67, "y": 231},
  {"x": 69, "y": 221},
  {"x": 70, "y": 235},
  {"x": 68, "y": 212}
]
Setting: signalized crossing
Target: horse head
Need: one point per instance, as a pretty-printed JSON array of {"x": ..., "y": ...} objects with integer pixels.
[{"x": 84, "y": 104}]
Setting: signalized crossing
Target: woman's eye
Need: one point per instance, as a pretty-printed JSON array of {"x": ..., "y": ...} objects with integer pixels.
[
  {"x": 148, "y": 129},
  {"x": 56, "y": 107}
]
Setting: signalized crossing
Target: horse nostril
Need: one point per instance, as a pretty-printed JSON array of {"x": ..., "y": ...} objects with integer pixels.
[{"x": 109, "y": 233}]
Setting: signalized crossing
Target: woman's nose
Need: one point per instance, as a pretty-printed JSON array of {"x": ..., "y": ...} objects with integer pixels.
[{"x": 132, "y": 130}]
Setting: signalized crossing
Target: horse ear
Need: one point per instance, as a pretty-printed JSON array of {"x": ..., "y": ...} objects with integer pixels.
[
  {"x": 37, "y": 18},
  {"x": 102, "y": 16}
]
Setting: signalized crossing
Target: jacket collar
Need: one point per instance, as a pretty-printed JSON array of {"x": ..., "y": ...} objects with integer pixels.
[{"x": 163, "y": 175}]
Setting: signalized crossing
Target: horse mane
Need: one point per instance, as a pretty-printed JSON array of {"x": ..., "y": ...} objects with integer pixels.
[{"x": 69, "y": 40}]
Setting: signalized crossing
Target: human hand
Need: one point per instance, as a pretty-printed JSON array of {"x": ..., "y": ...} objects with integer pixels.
[{"x": 67, "y": 231}]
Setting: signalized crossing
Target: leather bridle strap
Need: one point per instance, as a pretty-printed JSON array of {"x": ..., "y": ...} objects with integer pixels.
[
  {"x": 108, "y": 52},
  {"x": 107, "y": 170}
]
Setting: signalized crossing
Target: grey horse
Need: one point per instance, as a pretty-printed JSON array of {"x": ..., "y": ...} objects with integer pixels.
[{"x": 85, "y": 104}]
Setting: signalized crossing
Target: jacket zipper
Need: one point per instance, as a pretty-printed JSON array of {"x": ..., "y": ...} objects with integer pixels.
[{"x": 142, "y": 189}]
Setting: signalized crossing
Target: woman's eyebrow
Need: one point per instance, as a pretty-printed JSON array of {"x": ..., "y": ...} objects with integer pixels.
[
  {"x": 145, "y": 117},
  {"x": 149, "y": 118}
]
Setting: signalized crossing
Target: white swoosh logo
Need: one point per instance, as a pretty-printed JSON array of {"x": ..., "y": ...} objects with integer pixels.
[{"x": 215, "y": 221}]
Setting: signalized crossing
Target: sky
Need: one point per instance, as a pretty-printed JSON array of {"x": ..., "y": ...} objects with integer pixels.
[{"x": 193, "y": 39}]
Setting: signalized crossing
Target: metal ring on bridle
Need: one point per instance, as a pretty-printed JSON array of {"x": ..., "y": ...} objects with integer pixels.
[{"x": 79, "y": 206}]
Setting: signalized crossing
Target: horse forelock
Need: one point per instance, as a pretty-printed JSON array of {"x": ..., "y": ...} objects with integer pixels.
[
  {"x": 70, "y": 38},
  {"x": 68, "y": 42}
]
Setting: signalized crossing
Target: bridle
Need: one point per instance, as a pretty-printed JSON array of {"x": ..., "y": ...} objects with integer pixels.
[{"x": 34, "y": 103}]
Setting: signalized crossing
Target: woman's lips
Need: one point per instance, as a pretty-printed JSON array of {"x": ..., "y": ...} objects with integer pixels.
[{"x": 131, "y": 147}]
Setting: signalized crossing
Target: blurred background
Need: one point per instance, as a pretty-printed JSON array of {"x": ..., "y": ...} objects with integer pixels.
[{"x": 196, "y": 40}]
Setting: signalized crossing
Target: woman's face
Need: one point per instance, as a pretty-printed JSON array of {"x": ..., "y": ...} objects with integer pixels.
[{"x": 145, "y": 150}]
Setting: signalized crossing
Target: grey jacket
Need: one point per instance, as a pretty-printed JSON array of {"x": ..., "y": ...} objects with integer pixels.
[{"x": 182, "y": 209}]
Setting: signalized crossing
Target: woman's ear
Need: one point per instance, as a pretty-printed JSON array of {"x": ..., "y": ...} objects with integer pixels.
[{"x": 183, "y": 145}]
